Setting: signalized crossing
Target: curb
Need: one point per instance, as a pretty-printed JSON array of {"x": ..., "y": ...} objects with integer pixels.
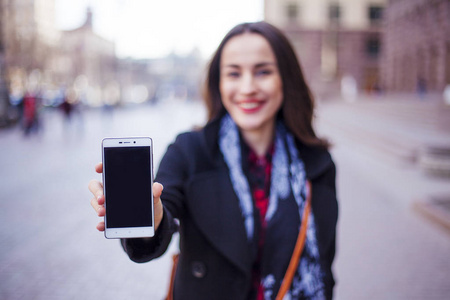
[{"x": 436, "y": 209}]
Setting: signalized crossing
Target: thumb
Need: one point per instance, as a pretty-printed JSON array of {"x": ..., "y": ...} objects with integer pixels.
[{"x": 157, "y": 190}]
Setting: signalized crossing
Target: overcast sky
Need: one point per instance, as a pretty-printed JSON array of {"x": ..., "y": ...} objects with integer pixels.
[{"x": 154, "y": 28}]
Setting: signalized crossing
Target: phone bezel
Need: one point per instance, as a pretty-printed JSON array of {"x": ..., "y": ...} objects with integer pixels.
[{"x": 128, "y": 232}]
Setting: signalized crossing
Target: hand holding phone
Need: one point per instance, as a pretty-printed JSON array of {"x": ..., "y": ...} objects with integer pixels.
[
  {"x": 98, "y": 201},
  {"x": 127, "y": 187}
]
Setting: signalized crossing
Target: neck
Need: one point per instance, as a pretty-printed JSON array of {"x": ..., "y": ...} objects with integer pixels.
[{"x": 259, "y": 141}]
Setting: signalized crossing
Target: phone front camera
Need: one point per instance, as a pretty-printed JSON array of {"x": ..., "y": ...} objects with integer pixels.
[{"x": 135, "y": 142}]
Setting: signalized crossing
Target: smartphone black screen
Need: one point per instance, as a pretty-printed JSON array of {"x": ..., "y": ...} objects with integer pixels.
[{"x": 128, "y": 190}]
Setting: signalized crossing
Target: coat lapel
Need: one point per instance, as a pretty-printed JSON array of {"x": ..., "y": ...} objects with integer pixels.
[
  {"x": 215, "y": 209},
  {"x": 214, "y": 205}
]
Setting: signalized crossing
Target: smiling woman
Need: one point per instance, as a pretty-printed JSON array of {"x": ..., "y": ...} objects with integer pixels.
[{"x": 253, "y": 191}]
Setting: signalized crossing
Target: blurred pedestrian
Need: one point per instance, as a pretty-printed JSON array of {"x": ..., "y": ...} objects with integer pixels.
[
  {"x": 66, "y": 108},
  {"x": 240, "y": 187},
  {"x": 72, "y": 112},
  {"x": 30, "y": 113}
]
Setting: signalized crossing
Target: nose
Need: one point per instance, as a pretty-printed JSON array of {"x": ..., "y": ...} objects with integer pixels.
[{"x": 247, "y": 84}]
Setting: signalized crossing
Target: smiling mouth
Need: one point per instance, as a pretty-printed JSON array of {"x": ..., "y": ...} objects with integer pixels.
[{"x": 249, "y": 105}]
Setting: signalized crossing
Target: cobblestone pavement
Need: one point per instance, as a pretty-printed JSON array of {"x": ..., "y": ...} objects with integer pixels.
[{"x": 49, "y": 248}]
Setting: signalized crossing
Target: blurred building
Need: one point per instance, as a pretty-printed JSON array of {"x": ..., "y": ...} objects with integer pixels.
[
  {"x": 180, "y": 76},
  {"x": 416, "y": 45},
  {"x": 36, "y": 56},
  {"x": 136, "y": 80},
  {"x": 80, "y": 64},
  {"x": 28, "y": 39},
  {"x": 172, "y": 77},
  {"x": 4, "y": 91},
  {"x": 334, "y": 39},
  {"x": 88, "y": 61},
  {"x": 29, "y": 33}
]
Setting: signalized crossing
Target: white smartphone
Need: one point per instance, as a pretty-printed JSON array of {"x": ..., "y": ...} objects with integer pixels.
[{"x": 127, "y": 185}]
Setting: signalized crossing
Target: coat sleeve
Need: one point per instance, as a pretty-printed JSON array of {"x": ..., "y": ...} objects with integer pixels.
[
  {"x": 145, "y": 249},
  {"x": 326, "y": 213},
  {"x": 172, "y": 175}
]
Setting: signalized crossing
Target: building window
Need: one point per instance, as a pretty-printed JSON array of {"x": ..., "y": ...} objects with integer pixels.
[
  {"x": 292, "y": 12},
  {"x": 375, "y": 14},
  {"x": 334, "y": 13},
  {"x": 373, "y": 46}
]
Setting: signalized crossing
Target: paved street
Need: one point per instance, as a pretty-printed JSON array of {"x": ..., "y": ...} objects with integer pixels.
[
  {"x": 49, "y": 248},
  {"x": 386, "y": 249}
]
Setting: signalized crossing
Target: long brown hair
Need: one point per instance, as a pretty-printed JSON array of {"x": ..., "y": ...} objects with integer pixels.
[{"x": 298, "y": 104}]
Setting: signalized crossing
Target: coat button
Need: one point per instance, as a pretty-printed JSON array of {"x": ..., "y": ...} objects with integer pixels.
[{"x": 198, "y": 269}]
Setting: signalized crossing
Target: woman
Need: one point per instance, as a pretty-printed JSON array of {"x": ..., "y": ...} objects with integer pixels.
[{"x": 238, "y": 185}]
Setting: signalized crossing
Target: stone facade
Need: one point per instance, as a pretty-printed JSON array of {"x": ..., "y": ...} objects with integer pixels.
[
  {"x": 333, "y": 40},
  {"x": 327, "y": 56},
  {"x": 417, "y": 45}
]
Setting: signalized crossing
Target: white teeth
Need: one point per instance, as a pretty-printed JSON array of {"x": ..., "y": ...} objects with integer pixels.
[{"x": 248, "y": 105}]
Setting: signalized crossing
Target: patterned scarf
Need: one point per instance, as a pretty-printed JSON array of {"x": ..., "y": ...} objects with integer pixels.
[{"x": 288, "y": 177}]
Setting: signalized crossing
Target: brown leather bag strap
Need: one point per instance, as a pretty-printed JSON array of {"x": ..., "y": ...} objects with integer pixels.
[
  {"x": 295, "y": 259},
  {"x": 172, "y": 277}
]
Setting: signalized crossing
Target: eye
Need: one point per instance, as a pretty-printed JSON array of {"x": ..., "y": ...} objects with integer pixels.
[
  {"x": 233, "y": 74},
  {"x": 263, "y": 72}
]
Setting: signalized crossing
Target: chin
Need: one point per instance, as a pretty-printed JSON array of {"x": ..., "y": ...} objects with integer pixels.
[{"x": 250, "y": 126}]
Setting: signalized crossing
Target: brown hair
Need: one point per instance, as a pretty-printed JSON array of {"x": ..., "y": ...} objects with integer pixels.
[{"x": 298, "y": 105}]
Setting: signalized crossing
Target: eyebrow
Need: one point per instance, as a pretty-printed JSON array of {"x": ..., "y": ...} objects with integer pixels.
[{"x": 259, "y": 65}]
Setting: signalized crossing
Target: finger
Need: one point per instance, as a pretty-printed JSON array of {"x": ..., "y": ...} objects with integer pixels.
[
  {"x": 159, "y": 211},
  {"x": 101, "y": 212},
  {"x": 96, "y": 188},
  {"x": 101, "y": 200},
  {"x": 99, "y": 168},
  {"x": 101, "y": 226},
  {"x": 98, "y": 207}
]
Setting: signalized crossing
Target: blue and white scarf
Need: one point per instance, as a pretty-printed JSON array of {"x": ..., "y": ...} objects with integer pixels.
[{"x": 288, "y": 176}]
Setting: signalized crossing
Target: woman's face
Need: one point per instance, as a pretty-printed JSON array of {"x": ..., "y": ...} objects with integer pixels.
[{"x": 250, "y": 83}]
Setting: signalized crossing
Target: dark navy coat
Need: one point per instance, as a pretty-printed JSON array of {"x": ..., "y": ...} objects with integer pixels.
[{"x": 215, "y": 256}]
